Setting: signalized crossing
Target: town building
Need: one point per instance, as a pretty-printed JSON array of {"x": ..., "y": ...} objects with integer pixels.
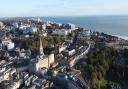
[
  {"x": 1, "y": 25},
  {"x": 7, "y": 43},
  {"x": 62, "y": 32},
  {"x": 44, "y": 27},
  {"x": 6, "y": 73},
  {"x": 25, "y": 54},
  {"x": 15, "y": 24},
  {"x": 69, "y": 52},
  {"x": 15, "y": 84},
  {"x": 62, "y": 48},
  {"x": 42, "y": 61},
  {"x": 44, "y": 33},
  {"x": 27, "y": 29},
  {"x": 69, "y": 26}
]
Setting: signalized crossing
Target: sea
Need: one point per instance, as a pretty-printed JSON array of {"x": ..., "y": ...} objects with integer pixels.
[{"x": 115, "y": 25}]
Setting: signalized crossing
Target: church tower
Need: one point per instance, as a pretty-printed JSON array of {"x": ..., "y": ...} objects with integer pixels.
[{"x": 41, "y": 51}]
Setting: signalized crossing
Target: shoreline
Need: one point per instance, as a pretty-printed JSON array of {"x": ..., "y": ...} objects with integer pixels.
[
  {"x": 122, "y": 37},
  {"x": 119, "y": 36}
]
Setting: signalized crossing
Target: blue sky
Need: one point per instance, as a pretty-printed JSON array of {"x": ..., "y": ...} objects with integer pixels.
[{"x": 13, "y": 8}]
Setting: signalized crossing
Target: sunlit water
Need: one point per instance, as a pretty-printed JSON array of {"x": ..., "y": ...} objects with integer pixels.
[{"x": 116, "y": 25}]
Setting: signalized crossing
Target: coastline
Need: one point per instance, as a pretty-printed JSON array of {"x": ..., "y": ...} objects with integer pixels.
[
  {"x": 119, "y": 36},
  {"x": 114, "y": 25},
  {"x": 122, "y": 37}
]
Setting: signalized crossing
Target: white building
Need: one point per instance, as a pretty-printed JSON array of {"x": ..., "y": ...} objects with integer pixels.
[
  {"x": 1, "y": 25},
  {"x": 62, "y": 32},
  {"x": 23, "y": 26},
  {"x": 87, "y": 32},
  {"x": 69, "y": 52},
  {"x": 8, "y": 43},
  {"x": 39, "y": 20},
  {"x": 72, "y": 26},
  {"x": 6, "y": 73},
  {"x": 10, "y": 46},
  {"x": 44, "y": 27},
  {"x": 25, "y": 54},
  {"x": 15, "y": 24},
  {"x": 24, "y": 29},
  {"x": 34, "y": 29},
  {"x": 28, "y": 29},
  {"x": 44, "y": 34},
  {"x": 48, "y": 24},
  {"x": 62, "y": 48},
  {"x": 15, "y": 85},
  {"x": 84, "y": 35},
  {"x": 59, "y": 24}
]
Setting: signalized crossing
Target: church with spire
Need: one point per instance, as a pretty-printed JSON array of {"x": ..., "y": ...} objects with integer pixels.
[
  {"x": 42, "y": 60},
  {"x": 41, "y": 50}
]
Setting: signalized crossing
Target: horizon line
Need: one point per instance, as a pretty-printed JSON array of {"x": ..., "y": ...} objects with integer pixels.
[{"x": 63, "y": 16}]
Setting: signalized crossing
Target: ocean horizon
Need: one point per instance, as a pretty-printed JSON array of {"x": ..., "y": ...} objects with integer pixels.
[{"x": 115, "y": 25}]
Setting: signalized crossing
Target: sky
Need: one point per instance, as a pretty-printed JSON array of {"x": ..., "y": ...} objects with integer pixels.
[{"x": 21, "y": 8}]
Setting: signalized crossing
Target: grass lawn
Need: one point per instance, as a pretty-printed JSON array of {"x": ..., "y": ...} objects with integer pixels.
[{"x": 103, "y": 84}]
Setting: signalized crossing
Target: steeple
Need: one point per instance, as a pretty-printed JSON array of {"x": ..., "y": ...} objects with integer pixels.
[{"x": 41, "y": 49}]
